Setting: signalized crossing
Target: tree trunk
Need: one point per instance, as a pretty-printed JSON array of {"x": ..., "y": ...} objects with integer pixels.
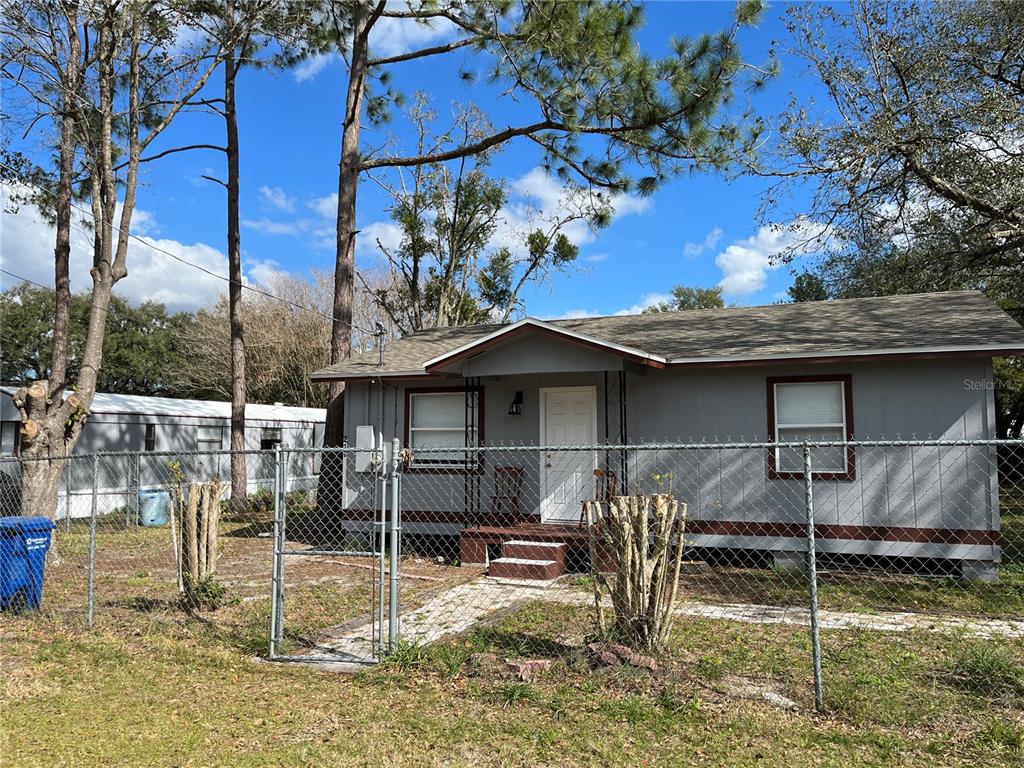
[
  {"x": 40, "y": 480},
  {"x": 238, "y": 389},
  {"x": 199, "y": 513},
  {"x": 65, "y": 171},
  {"x": 348, "y": 181}
]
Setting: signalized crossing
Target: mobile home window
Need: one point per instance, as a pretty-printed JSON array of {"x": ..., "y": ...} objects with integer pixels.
[
  {"x": 270, "y": 438},
  {"x": 9, "y": 437},
  {"x": 438, "y": 420},
  {"x": 816, "y": 411},
  {"x": 150, "y": 445},
  {"x": 209, "y": 438}
]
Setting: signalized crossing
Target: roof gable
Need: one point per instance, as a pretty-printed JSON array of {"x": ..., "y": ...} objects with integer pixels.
[{"x": 533, "y": 325}]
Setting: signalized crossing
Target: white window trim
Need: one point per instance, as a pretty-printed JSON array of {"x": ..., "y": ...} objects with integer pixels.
[
  {"x": 456, "y": 464},
  {"x": 841, "y": 426},
  {"x": 204, "y": 444}
]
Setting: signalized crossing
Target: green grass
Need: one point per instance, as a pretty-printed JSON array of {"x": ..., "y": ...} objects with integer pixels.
[
  {"x": 177, "y": 692},
  {"x": 150, "y": 686},
  {"x": 988, "y": 669}
]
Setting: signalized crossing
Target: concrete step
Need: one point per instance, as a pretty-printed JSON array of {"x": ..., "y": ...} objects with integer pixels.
[
  {"x": 535, "y": 550},
  {"x": 525, "y": 568}
]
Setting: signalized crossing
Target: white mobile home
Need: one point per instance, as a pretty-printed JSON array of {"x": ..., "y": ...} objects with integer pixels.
[{"x": 163, "y": 425}]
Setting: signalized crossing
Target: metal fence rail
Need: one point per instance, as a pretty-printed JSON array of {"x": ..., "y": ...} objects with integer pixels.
[{"x": 341, "y": 554}]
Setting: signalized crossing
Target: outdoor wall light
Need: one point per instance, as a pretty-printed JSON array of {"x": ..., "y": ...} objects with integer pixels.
[{"x": 516, "y": 409}]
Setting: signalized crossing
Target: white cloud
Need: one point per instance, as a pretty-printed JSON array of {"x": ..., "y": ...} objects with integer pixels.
[
  {"x": 387, "y": 232},
  {"x": 326, "y": 206},
  {"x": 538, "y": 197},
  {"x": 389, "y": 37},
  {"x": 310, "y": 67},
  {"x": 573, "y": 314},
  {"x": 264, "y": 272},
  {"x": 536, "y": 200},
  {"x": 745, "y": 263},
  {"x": 596, "y": 258},
  {"x": 692, "y": 250},
  {"x": 646, "y": 301},
  {"x": 270, "y": 227},
  {"x": 28, "y": 239},
  {"x": 277, "y": 198}
]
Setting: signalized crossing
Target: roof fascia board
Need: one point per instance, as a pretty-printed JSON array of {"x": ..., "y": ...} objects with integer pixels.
[
  {"x": 332, "y": 376},
  {"x": 868, "y": 354}
]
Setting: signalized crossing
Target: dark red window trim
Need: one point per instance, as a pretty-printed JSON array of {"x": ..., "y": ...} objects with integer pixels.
[
  {"x": 459, "y": 469},
  {"x": 851, "y": 458}
]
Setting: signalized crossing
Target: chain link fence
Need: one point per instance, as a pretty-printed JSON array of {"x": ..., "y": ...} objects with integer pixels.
[{"x": 348, "y": 554}]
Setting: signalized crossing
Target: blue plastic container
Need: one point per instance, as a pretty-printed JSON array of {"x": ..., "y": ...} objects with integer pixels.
[
  {"x": 154, "y": 508},
  {"x": 24, "y": 542}
]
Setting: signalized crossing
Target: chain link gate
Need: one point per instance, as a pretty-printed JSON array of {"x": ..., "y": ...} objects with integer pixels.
[{"x": 336, "y": 545}]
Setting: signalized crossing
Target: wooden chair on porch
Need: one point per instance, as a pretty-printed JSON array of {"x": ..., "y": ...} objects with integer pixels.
[
  {"x": 606, "y": 486},
  {"x": 508, "y": 488}
]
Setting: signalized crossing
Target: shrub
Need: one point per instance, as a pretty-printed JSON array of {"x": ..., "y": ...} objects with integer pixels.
[
  {"x": 206, "y": 594},
  {"x": 511, "y": 694},
  {"x": 642, "y": 536},
  {"x": 407, "y": 656},
  {"x": 450, "y": 659},
  {"x": 988, "y": 669}
]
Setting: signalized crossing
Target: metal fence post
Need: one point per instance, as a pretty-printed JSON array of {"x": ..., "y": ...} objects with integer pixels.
[
  {"x": 382, "y": 469},
  {"x": 812, "y": 577},
  {"x": 91, "y": 599},
  {"x": 67, "y": 493},
  {"x": 277, "y": 580},
  {"x": 394, "y": 537},
  {"x": 136, "y": 504}
]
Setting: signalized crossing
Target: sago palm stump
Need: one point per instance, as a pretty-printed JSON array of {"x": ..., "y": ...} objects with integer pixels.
[{"x": 641, "y": 536}]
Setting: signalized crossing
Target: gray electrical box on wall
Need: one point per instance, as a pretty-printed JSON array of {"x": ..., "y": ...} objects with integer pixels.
[{"x": 364, "y": 449}]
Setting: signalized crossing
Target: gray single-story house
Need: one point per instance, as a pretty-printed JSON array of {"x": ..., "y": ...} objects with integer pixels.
[
  {"x": 875, "y": 368},
  {"x": 139, "y": 425}
]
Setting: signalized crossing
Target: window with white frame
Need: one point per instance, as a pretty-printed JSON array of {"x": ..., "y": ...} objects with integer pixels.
[
  {"x": 209, "y": 438},
  {"x": 437, "y": 420},
  {"x": 814, "y": 411}
]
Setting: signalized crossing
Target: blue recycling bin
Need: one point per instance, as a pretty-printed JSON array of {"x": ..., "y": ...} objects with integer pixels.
[
  {"x": 24, "y": 542},
  {"x": 154, "y": 508}
]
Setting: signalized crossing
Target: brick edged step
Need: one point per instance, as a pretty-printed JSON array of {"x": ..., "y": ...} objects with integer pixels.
[
  {"x": 525, "y": 568},
  {"x": 535, "y": 550}
]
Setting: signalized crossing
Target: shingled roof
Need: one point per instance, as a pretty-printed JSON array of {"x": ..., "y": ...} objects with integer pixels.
[{"x": 926, "y": 323}]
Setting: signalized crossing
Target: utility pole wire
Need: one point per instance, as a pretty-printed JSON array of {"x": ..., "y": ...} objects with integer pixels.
[
  {"x": 26, "y": 280},
  {"x": 184, "y": 261}
]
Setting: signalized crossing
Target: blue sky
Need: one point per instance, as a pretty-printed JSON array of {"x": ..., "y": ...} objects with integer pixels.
[{"x": 698, "y": 229}]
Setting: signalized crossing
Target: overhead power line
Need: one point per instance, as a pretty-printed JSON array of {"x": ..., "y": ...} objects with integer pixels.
[
  {"x": 25, "y": 279},
  {"x": 186, "y": 262}
]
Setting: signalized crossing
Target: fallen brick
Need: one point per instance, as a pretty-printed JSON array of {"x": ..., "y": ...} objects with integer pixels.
[{"x": 529, "y": 668}]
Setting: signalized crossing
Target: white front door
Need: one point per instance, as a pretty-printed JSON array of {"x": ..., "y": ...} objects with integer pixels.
[{"x": 568, "y": 416}]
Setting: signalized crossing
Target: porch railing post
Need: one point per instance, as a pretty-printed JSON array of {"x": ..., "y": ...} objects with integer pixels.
[
  {"x": 812, "y": 577},
  {"x": 394, "y": 537}
]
